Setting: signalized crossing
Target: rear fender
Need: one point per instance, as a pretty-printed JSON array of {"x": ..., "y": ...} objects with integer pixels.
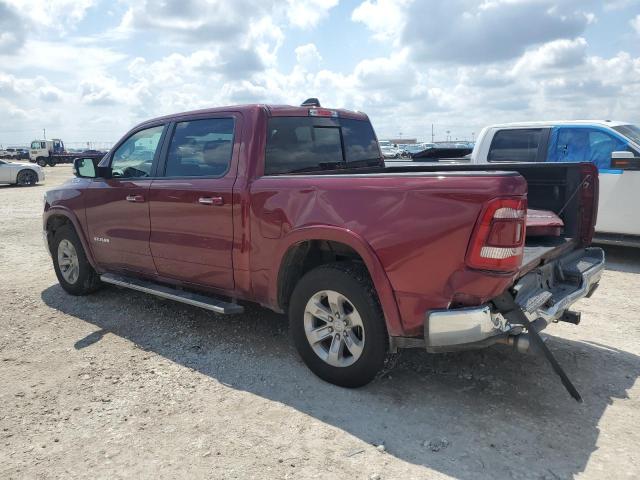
[{"x": 357, "y": 243}]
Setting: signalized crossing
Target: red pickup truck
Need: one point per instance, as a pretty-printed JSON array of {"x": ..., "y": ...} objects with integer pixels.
[{"x": 293, "y": 208}]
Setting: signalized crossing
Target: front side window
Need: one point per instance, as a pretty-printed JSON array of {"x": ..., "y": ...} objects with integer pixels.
[
  {"x": 584, "y": 144},
  {"x": 201, "y": 148},
  {"x": 517, "y": 145},
  {"x": 134, "y": 158},
  {"x": 300, "y": 144}
]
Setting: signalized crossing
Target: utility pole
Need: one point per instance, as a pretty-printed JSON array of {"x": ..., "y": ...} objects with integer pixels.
[
  {"x": 432, "y": 135},
  {"x": 44, "y": 133}
]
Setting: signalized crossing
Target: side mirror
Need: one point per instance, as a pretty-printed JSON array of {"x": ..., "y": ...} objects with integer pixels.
[
  {"x": 625, "y": 161},
  {"x": 622, "y": 154},
  {"x": 85, "y": 167}
]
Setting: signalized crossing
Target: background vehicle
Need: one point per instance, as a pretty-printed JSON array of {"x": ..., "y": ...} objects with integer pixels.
[
  {"x": 23, "y": 174},
  {"x": 409, "y": 150},
  {"x": 52, "y": 152},
  {"x": 388, "y": 149},
  {"x": 614, "y": 147},
  {"x": 10, "y": 153},
  {"x": 293, "y": 208}
]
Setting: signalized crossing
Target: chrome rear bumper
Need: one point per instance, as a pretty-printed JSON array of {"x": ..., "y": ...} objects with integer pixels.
[{"x": 544, "y": 293}]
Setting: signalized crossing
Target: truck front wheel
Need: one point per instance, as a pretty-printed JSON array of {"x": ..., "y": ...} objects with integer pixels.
[
  {"x": 337, "y": 324},
  {"x": 75, "y": 273},
  {"x": 41, "y": 161}
]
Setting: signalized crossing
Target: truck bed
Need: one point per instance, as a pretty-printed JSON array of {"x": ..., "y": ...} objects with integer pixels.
[
  {"x": 543, "y": 249},
  {"x": 551, "y": 187}
]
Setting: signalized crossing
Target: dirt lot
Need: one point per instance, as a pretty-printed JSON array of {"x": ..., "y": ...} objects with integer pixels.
[{"x": 123, "y": 385}]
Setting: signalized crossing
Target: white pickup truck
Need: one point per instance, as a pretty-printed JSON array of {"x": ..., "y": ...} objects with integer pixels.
[{"x": 613, "y": 146}]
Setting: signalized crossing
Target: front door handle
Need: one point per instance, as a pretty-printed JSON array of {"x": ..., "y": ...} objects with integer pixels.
[
  {"x": 135, "y": 198},
  {"x": 217, "y": 201}
]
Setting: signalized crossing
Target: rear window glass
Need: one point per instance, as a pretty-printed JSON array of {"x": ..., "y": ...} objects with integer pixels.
[
  {"x": 200, "y": 148},
  {"x": 299, "y": 144},
  {"x": 519, "y": 145}
]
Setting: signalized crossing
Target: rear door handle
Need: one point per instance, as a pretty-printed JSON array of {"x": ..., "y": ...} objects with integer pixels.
[
  {"x": 217, "y": 201},
  {"x": 135, "y": 198}
]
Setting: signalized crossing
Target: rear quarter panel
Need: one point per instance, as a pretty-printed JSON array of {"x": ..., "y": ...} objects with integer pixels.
[{"x": 417, "y": 227}]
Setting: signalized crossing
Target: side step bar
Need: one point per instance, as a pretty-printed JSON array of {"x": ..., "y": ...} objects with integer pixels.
[{"x": 195, "y": 299}]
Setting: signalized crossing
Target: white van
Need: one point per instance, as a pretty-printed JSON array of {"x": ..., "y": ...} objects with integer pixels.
[{"x": 613, "y": 146}]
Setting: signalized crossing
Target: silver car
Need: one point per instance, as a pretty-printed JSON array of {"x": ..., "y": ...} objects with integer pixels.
[{"x": 23, "y": 174}]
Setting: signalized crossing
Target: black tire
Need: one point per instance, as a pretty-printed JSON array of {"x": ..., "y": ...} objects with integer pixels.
[
  {"x": 41, "y": 161},
  {"x": 26, "y": 178},
  {"x": 52, "y": 163},
  {"x": 88, "y": 280},
  {"x": 353, "y": 282}
]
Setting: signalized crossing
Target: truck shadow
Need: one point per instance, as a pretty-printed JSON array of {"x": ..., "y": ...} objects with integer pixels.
[
  {"x": 622, "y": 259},
  {"x": 484, "y": 414}
]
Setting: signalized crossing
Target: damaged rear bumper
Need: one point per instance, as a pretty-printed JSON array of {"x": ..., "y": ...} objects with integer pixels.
[{"x": 544, "y": 295}]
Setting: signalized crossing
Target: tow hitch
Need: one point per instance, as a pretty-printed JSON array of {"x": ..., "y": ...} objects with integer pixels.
[{"x": 507, "y": 306}]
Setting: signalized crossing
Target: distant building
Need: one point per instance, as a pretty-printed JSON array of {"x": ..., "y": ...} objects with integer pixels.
[{"x": 404, "y": 141}]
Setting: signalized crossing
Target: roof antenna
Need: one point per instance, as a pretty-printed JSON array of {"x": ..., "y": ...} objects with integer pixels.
[{"x": 311, "y": 102}]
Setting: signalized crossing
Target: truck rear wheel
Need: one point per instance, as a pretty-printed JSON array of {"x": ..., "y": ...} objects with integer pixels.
[
  {"x": 75, "y": 273},
  {"x": 337, "y": 324}
]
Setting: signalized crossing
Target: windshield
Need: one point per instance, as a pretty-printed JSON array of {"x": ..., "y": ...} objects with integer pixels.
[{"x": 632, "y": 132}]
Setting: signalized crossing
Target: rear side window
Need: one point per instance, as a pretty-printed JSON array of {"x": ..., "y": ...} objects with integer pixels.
[
  {"x": 518, "y": 145},
  {"x": 299, "y": 144},
  {"x": 200, "y": 148}
]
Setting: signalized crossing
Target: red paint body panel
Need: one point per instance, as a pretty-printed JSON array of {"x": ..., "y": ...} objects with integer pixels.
[
  {"x": 125, "y": 224},
  {"x": 190, "y": 241},
  {"x": 417, "y": 227},
  {"x": 412, "y": 230}
]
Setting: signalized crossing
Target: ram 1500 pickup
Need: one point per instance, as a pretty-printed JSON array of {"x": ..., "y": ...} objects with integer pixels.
[{"x": 293, "y": 208}]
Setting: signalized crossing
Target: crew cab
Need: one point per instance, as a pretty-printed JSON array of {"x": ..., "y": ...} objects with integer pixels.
[
  {"x": 293, "y": 208},
  {"x": 614, "y": 147}
]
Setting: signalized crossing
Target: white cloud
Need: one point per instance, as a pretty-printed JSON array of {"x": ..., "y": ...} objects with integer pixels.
[
  {"x": 553, "y": 55},
  {"x": 635, "y": 23},
  {"x": 53, "y": 12},
  {"x": 12, "y": 30},
  {"x": 469, "y": 32},
  {"x": 308, "y": 13},
  {"x": 308, "y": 56},
  {"x": 459, "y": 64},
  {"x": 385, "y": 18}
]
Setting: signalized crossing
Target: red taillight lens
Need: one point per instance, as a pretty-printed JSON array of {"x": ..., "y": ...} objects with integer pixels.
[
  {"x": 589, "y": 202},
  {"x": 497, "y": 242}
]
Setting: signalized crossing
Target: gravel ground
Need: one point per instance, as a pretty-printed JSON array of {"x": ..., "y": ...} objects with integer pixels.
[{"x": 123, "y": 385}]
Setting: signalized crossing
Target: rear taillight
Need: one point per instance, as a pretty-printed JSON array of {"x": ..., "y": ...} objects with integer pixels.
[
  {"x": 497, "y": 242},
  {"x": 589, "y": 201},
  {"x": 322, "y": 112}
]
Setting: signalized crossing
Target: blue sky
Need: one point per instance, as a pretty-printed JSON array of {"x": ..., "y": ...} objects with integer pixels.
[{"x": 88, "y": 70}]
